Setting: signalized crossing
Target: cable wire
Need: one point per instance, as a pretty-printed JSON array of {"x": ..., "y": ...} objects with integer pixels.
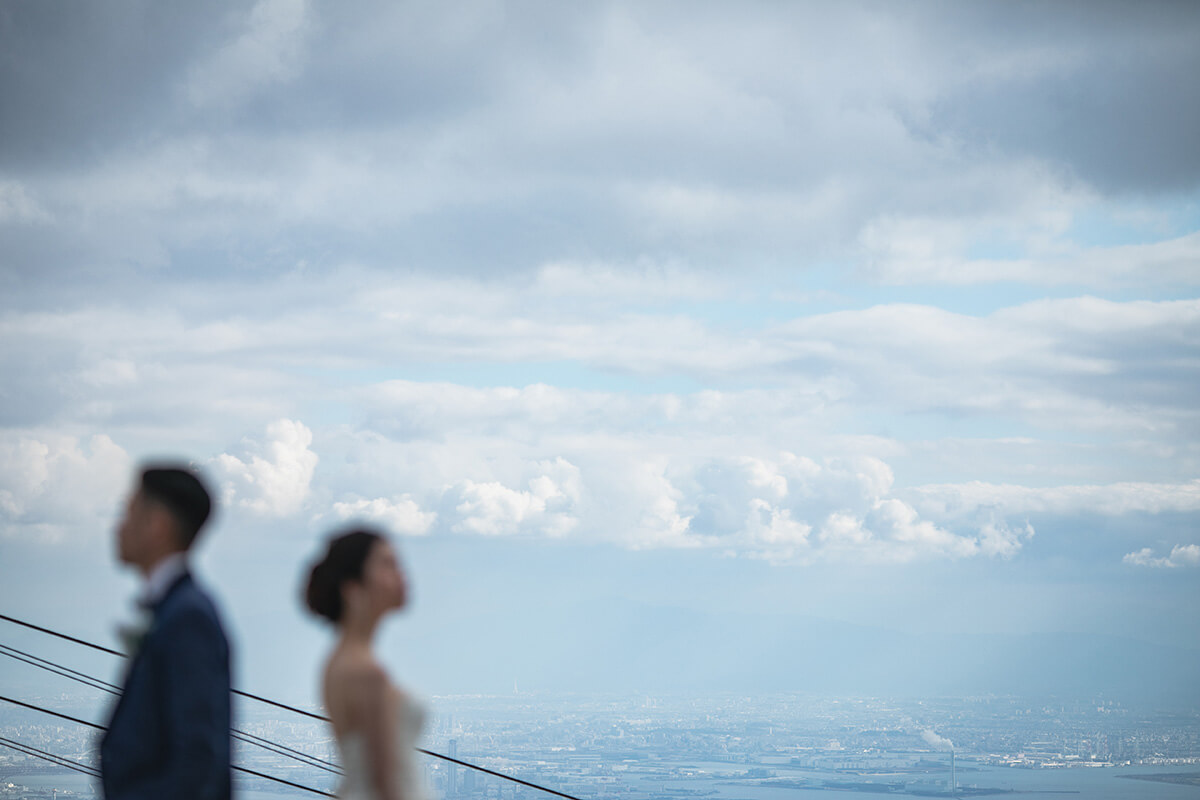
[
  {"x": 49, "y": 632},
  {"x": 76, "y": 720},
  {"x": 59, "y": 669},
  {"x": 61, "y": 761},
  {"x": 285, "y": 751}
]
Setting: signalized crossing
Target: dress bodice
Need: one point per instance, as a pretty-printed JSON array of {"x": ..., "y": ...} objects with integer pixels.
[{"x": 410, "y": 782}]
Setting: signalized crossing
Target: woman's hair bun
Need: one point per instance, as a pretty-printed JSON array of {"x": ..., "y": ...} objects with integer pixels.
[{"x": 343, "y": 561}]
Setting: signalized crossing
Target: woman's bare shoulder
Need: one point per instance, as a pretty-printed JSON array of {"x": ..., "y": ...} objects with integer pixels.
[
  {"x": 356, "y": 674},
  {"x": 356, "y": 685}
]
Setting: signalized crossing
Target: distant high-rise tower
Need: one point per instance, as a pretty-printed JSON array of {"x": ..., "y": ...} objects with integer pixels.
[{"x": 452, "y": 772}]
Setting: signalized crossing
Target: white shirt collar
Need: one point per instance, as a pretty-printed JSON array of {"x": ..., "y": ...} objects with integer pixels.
[{"x": 162, "y": 578}]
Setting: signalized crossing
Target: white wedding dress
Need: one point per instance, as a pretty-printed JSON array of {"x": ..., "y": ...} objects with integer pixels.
[{"x": 410, "y": 782}]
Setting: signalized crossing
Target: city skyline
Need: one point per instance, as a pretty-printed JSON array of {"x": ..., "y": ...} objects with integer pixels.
[{"x": 605, "y": 746}]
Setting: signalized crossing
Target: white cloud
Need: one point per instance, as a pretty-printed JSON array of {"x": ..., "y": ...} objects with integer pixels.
[
  {"x": 402, "y": 514},
  {"x": 656, "y": 500},
  {"x": 1182, "y": 555},
  {"x": 770, "y": 533},
  {"x": 52, "y": 483},
  {"x": 786, "y": 509},
  {"x": 653, "y": 472},
  {"x": 996, "y": 539},
  {"x": 276, "y": 482},
  {"x": 898, "y": 524},
  {"x": 793, "y": 509},
  {"x": 547, "y": 507},
  {"x": 891, "y": 532}
]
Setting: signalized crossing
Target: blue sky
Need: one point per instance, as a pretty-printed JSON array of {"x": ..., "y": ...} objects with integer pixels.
[{"x": 876, "y": 314}]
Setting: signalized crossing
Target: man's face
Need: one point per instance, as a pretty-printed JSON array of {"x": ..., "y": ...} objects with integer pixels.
[{"x": 133, "y": 531}]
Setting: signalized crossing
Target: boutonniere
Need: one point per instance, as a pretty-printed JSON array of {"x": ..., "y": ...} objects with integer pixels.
[{"x": 133, "y": 631}]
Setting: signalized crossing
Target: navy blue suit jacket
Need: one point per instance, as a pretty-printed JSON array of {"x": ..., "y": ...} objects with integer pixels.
[{"x": 168, "y": 738}]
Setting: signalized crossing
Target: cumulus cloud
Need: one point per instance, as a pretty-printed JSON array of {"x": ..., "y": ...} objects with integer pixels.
[
  {"x": 402, "y": 515},
  {"x": 656, "y": 471},
  {"x": 546, "y": 507},
  {"x": 793, "y": 508},
  {"x": 52, "y": 483},
  {"x": 774, "y": 528},
  {"x": 786, "y": 509},
  {"x": 623, "y": 489},
  {"x": 1004, "y": 541},
  {"x": 1182, "y": 555},
  {"x": 275, "y": 476},
  {"x": 656, "y": 501}
]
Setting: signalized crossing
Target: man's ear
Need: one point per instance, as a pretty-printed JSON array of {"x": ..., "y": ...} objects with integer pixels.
[{"x": 165, "y": 527}]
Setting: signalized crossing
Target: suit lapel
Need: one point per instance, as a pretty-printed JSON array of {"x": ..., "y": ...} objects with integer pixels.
[{"x": 136, "y": 657}]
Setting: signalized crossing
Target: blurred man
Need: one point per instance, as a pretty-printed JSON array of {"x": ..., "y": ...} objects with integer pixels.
[{"x": 168, "y": 738}]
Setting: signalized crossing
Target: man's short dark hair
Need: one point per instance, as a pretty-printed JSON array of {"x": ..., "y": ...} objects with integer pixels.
[{"x": 181, "y": 492}]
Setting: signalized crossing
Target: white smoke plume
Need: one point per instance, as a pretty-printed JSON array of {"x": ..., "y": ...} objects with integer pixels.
[{"x": 937, "y": 742}]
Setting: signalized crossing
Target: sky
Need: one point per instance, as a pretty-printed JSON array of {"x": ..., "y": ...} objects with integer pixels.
[{"x": 673, "y": 343}]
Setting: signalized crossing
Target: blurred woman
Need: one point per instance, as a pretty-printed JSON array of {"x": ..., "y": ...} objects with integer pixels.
[{"x": 355, "y": 584}]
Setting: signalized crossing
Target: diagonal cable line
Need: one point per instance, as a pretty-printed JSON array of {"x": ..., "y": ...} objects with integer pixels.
[
  {"x": 285, "y": 751},
  {"x": 61, "y": 761},
  {"x": 59, "y": 669},
  {"x": 64, "y": 636},
  {"x": 293, "y": 709},
  {"x": 33, "y": 707},
  {"x": 284, "y": 782}
]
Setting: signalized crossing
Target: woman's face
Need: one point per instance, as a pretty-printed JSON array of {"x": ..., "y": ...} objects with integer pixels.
[{"x": 383, "y": 579}]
